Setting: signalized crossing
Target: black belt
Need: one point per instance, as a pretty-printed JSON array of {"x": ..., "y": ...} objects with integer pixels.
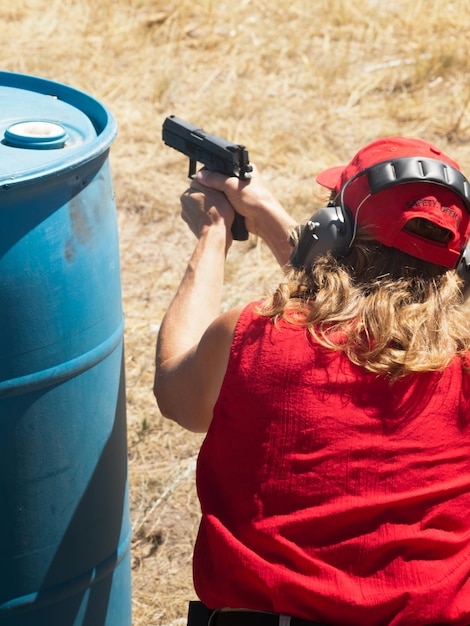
[{"x": 200, "y": 615}]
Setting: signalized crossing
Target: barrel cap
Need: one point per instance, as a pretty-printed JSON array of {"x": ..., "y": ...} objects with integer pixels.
[{"x": 46, "y": 127}]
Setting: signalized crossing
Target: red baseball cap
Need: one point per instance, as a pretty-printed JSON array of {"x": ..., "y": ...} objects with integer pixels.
[{"x": 385, "y": 213}]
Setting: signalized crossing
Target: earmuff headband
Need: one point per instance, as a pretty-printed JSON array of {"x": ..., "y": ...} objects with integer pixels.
[{"x": 414, "y": 170}]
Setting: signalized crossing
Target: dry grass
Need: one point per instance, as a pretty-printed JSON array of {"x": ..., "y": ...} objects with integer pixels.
[{"x": 302, "y": 84}]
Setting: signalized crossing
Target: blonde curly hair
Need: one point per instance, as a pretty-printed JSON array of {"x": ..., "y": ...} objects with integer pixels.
[{"x": 396, "y": 313}]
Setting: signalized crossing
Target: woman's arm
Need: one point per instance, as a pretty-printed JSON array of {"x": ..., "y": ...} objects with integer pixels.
[
  {"x": 194, "y": 341},
  {"x": 187, "y": 385},
  {"x": 191, "y": 353}
]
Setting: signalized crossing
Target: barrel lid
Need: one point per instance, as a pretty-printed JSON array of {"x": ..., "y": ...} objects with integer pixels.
[{"x": 46, "y": 127}]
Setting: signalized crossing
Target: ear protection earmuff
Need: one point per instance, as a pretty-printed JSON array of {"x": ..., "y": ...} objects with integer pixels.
[
  {"x": 333, "y": 227},
  {"x": 329, "y": 229}
]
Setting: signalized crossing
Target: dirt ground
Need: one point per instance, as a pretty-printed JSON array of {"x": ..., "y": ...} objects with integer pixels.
[{"x": 303, "y": 85}]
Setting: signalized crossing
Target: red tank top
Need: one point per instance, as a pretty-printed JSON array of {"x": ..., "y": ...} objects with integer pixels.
[{"x": 329, "y": 494}]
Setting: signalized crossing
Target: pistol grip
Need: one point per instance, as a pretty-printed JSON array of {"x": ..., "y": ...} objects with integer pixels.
[{"x": 239, "y": 231}]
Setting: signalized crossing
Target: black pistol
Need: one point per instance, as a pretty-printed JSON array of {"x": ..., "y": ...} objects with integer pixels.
[{"x": 215, "y": 153}]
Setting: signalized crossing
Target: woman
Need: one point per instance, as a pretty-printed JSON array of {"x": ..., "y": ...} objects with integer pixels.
[{"x": 334, "y": 478}]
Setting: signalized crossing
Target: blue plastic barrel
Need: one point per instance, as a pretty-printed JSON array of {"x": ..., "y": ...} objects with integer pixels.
[{"x": 64, "y": 515}]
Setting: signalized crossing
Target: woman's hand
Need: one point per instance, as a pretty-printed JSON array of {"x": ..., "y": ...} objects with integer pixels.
[
  {"x": 264, "y": 215},
  {"x": 247, "y": 197},
  {"x": 203, "y": 208}
]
